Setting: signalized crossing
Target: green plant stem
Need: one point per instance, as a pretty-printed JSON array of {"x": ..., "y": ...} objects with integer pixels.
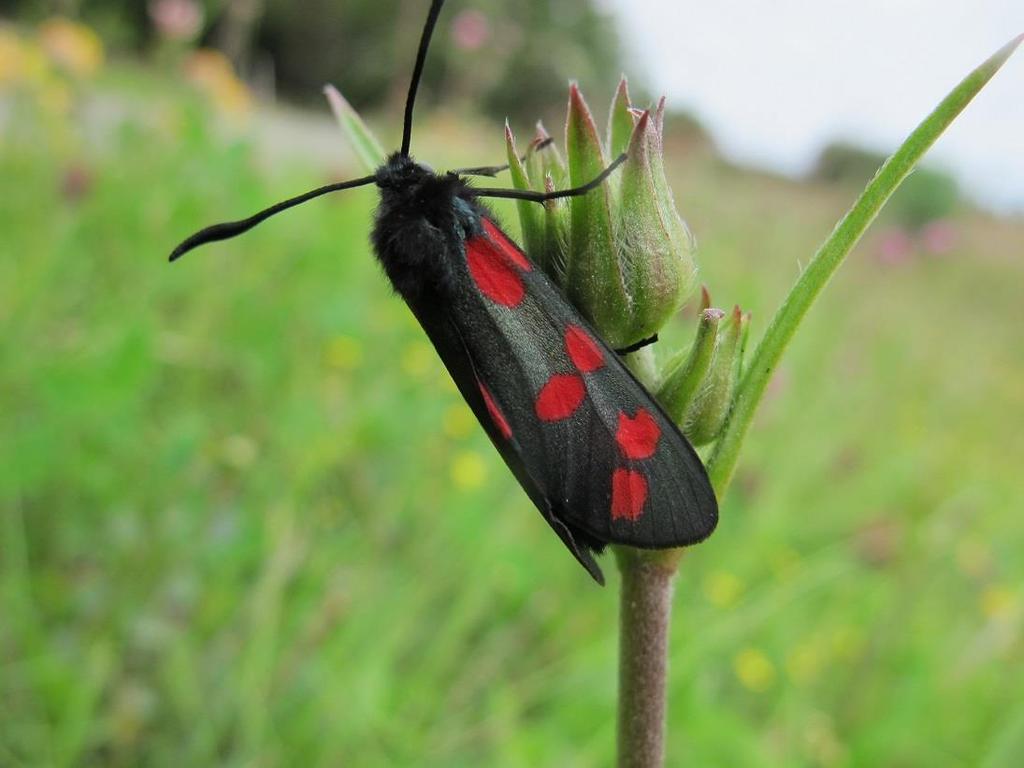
[{"x": 826, "y": 261}]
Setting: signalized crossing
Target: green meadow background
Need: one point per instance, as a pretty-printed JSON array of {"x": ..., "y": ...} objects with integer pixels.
[{"x": 246, "y": 520}]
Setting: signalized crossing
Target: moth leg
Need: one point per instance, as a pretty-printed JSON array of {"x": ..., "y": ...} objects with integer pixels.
[
  {"x": 494, "y": 170},
  {"x": 639, "y": 345},
  {"x": 540, "y": 197}
]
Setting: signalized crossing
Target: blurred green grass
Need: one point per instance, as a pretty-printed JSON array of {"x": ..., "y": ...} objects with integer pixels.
[{"x": 247, "y": 521}]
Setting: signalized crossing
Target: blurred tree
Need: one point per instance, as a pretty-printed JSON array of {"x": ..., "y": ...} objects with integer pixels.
[
  {"x": 121, "y": 23},
  {"x": 845, "y": 163},
  {"x": 236, "y": 31},
  {"x": 501, "y": 58},
  {"x": 926, "y": 196},
  {"x": 504, "y": 58}
]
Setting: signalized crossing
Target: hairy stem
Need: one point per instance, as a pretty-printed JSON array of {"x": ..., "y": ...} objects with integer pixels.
[{"x": 644, "y": 616}]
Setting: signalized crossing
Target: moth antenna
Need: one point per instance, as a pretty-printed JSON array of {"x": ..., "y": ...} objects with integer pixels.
[
  {"x": 229, "y": 229},
  {"x": 540, "y": 197},
  {"x": 417, "y": 72}
]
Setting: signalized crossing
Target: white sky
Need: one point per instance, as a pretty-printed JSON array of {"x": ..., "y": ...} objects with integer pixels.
[{"x": 775, "y": 79}]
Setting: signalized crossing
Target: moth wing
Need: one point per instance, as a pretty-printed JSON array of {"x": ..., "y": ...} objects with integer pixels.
[
  {"x": 605, "y": 457},
  {"x": 447, "y": 336}
]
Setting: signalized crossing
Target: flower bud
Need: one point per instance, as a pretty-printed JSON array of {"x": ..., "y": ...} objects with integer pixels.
[
  {"x": 544, "y": 228},
  {"x": 685, "y": 375},
  {"x": 593, "y": 276},
  {"x": 654, "y": 245},
  {"x": 627, "y": 256},
  {"x": 706, "y": 413}
]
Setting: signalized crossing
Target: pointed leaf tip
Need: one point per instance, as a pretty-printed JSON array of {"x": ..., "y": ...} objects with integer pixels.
[
  {"x": 575, "y": 97},
  {"x": 996, "y": 61},
  {"x": 582, "y": 142},
  {"x": 620, "y": 120},
  {"x": 637, "y": 145},
  {"x": 530, "y": 217},
  {"x": 622, "y": 91},
  {"x": 365, "y": 144}
]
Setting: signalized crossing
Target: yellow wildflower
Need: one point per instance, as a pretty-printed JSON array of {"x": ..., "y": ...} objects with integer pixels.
[
  {"x": 998, "y": 601},
  {"x": 754, "y": 670},
  {"x": 417, "y": 359},
  {"x": 12, "y": 57},
  {"x": 469, "y": 470},
  {"x": 212, "y": 73},
  {"x": 459, "y": 421},
  {"x": 722, "y": 588},
  {"x": 72, "y": 46},
  {"x": 21, "y": 61},
  {"x": 344, "y": 352}
]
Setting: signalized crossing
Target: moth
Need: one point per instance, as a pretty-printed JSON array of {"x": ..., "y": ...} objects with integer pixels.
[{"x": 589, "y": 445}]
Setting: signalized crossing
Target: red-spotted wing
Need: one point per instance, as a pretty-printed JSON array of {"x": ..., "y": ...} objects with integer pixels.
[{"x": 591, "y": 447}]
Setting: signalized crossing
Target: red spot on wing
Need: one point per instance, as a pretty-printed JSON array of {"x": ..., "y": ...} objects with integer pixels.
[
  {"x": 496, "y": 415},
  {"x": 629, "y": 494},
  {"x": 508, "y": 248},
  {"x": 638, "y": 436},
  {"x": 560, "y": 397},
  {"x": 495, "y": 276},
  {"x": 584, "y": 352}
]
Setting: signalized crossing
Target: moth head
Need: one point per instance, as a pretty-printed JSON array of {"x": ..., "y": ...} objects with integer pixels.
[{"x": 401, "y": 172}]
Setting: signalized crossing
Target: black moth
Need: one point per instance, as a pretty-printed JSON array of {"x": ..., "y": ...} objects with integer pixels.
[{"x": 589, "y": 445}]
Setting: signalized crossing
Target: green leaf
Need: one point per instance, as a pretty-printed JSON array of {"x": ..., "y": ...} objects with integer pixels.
[
  {"x": 365, "y": 144},
  {"x": 556, "y": 233},
  {"x": 620, "y": 121},
  {"x": 593, "y": 280},
  {"x": 531, "y": 216},
  {"x": 830, "y": 255}
]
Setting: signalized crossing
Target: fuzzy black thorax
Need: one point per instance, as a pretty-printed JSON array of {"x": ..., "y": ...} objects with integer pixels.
[{"x": 422, "y": 223}]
